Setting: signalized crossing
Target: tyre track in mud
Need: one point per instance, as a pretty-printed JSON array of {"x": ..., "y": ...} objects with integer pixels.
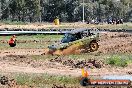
[
  {"x": 63, "y": 66},
  {"x": 21, "y": 52},
  {"x": 25, "y": 64},
  {"x": 115, "y": 43}
]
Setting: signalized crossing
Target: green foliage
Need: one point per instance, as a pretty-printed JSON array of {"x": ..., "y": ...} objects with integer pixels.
[
  {"x": 117, "y": 60},
  {"x": 13, "y": 22},
  {"x": 66, "y": 10}
]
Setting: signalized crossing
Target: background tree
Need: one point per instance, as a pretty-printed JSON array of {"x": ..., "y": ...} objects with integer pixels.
[{"x": 65, "y": 10}]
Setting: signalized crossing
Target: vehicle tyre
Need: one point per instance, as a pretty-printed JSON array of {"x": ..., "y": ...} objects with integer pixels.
[
  {"x": 85, "y": 82},
  {"x": 93, "y": 46}
]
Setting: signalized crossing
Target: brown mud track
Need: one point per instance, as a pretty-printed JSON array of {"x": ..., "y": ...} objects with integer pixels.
[
  {"x": 21, "y": 52},
  {"x": 19, "y": 60},
  {"x": 115, "y": 43},
  {"x": 79, "y": 64},
  {"x": 57, "y": 66},
  {"x": 109, "y": 43},
  {"x": 21, "y": 63}
]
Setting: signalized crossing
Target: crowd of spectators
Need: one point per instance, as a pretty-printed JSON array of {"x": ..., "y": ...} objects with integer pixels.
[{"x": 108, "y": 21}]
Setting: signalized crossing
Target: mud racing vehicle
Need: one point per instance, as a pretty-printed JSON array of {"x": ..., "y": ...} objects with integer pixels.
[{"x": 78, "y": 37}]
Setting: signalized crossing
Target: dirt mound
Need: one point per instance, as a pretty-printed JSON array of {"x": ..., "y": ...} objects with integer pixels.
[
  {"x": 79, "y": 64},
  {"x": 115, "y": 43},
  {"x": 26, "y": 61},
  {"x": 73, "y": 49},
  {"x": 16, "y": 58},
  {"x": 22, "y": 60}
]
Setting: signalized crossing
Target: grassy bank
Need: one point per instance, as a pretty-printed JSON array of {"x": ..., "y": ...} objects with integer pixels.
[
  {"x": 119, "y": 60},
  {"x": 43, "y": 80}
]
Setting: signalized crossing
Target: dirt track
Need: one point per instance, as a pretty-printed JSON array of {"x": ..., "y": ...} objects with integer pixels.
[
  {"x": 115, "y": 43},
  {"x": 18, "y": 63},
  {"x": 109, "y": 43},
  {"x": 18, "y": 60},
  {"x": 21, "y": 52}
]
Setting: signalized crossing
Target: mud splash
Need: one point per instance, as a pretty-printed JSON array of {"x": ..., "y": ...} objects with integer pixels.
[{"x": 73, "y": 49}]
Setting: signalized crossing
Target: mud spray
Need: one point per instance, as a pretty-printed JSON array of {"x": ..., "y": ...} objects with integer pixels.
[{"x": 73, "y": 49}]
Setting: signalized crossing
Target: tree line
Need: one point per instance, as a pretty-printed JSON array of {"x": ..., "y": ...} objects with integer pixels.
[{"x": 65, "y": 10}]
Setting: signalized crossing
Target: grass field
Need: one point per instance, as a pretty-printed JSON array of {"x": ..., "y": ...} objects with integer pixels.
[
  {"x": 33, "y": 41},
  {"x": 44, "y": 80}
]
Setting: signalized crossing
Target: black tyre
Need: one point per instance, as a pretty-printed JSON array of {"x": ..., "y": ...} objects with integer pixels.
[
  {"x": 93, "y": 46},
  {"x": 85, "y": 82}
]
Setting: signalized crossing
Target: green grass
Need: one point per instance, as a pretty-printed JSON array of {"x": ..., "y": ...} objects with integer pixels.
[
  {"x": 34, "y": 37},
  {"x": 119, "y": 60},
  {"x": 41, "y": 80},
  {"x": 43, "y": 41},
  {"x": 9, "y": 22}
]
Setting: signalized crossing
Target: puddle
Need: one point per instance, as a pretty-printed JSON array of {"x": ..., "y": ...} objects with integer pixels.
[{"x": 125, "y": 77}]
